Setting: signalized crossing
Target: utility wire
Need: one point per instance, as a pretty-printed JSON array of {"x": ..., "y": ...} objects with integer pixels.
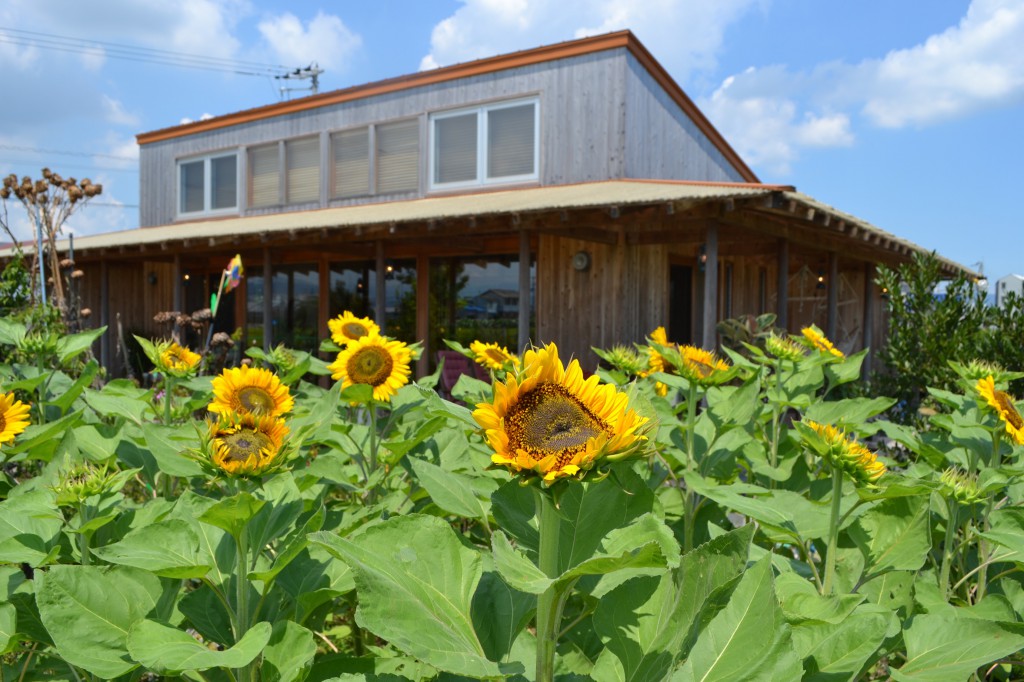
[
  {"x": 36, "y": 150},
  {"x": 133, "y": 53}
]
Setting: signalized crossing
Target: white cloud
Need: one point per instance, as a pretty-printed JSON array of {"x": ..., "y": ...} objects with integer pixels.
[
  {"x": 116, "y": 114},
  {"x": 119, "y": 152},
  {"x": 325, "y": 40},
  {"x": 684, "y": 35},
  {"x": 971, "y": 66}
]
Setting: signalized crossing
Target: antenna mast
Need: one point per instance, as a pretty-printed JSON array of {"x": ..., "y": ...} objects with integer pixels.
[{"x": 311, "y": 72}]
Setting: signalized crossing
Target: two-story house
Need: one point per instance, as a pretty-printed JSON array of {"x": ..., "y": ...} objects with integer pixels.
[{"x": 578, "y": 176}]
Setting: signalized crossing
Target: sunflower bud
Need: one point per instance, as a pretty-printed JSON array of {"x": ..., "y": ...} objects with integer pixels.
[
  {"x": 842, "y": 452},
  {"x": 961, "y": 486},
  {"x": 80, "y": 482},
  {"x": 625, "y": 359},
  {"x": 815, "y": 339},
  {"x": 784, "y": 348},
  {"x": 175, "y": 360}
]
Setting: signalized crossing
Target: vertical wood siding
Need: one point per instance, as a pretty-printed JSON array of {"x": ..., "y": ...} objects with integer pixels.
[
  {"x": 618, "y": 300},
  {"x": 660, "y": 141}
]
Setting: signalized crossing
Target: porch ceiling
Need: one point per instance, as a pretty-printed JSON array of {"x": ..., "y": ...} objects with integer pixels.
[{"x": 774, "y": 209}]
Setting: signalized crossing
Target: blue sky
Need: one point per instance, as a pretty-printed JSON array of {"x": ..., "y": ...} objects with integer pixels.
[{"x": 904, "y": 113}]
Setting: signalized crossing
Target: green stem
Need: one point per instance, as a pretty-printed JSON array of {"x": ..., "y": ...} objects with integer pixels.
[
  {"x": 242, "y": 594},
  {"x": 168, "y": 392},
  {"x": 549, "y": 603},
  {"x": 827, "y": 587},
  {"x": 689, "y": 511},
  {"x": 947, "y": 547},
  {"x": 83, "y": 536}
]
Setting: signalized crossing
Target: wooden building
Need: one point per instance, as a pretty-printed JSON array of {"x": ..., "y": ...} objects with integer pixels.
[{"x": 579, "y": 175}]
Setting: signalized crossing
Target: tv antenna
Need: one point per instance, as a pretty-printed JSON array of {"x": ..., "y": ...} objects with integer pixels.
[{"x": 311, "y": 72}]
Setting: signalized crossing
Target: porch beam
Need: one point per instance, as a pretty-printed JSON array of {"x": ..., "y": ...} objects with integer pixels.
[
  {"x": 380, "y": 304},
  {"x": 869, "y": 318},
  {"x": 268, "y": 302},
  {"x": 832, "y": 320}
]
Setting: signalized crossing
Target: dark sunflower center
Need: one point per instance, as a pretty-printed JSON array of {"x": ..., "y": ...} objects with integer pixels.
[
  {"x": 3, "y": 422},
  {"x": 354, "y": 330},
  {"x": 1010, "y": 413},
  {"x": 246, "y": 443},
  {"x": 370, "y": 365},
  {"x": 550, "y": 421},
  {"x": 256, "y": 400}
]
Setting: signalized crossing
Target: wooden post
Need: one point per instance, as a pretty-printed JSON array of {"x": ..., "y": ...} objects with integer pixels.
[
  {"x": 832, "y": 321},
  {"x": 523, "y": 335},
  {"x": 869, "y": 318},
  {"x": 268, "y": 302},
  {"x": 782, "y": 296},
  {"x": 380, "y": 305},
  {"x": 709, "y": 331},
  {"x": 176, "y": 283},
  {"x": 423, "y": 313},
  {"x": 105, "y": 314}
]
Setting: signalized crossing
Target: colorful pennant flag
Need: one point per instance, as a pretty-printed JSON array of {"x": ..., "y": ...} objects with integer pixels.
[{"x": 233, "y": 273}]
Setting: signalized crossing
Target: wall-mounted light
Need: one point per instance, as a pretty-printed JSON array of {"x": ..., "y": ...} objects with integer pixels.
[
  {"x": 821, "y": 279},
  {"x": 702, "y": 257},
  {"x": 151, "y": 278},
  {"x": 187, "y": 277},
  {"x": 885, "y": 293},
  {"x": 581, "y": 261}
]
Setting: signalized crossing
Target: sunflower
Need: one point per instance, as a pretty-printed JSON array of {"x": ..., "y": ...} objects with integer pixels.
[
  {"x": 374, "y": 360},
  {"x": 248, "y": 390},
  {"x": 1004, "y": 407},
  {"x": 177, "y": 360},
  {"x": 961, "y": 486},
  {"x": 547, "y": 421},
  {"x": 13, "y": 417},
  {"x": 702, "y": 366},
  {"x": 814, "y": 338},
  {"x": 656, "y": 362},
  {"x": 347, "y": 327},
  {"x": 245, "y": 444},
  {"x": 492, "y": 356},
  {"x": 844, "y": 453}
]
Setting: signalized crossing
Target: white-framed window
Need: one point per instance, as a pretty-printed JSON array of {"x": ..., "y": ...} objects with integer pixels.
[
  {"x": 208, "y": 184},
  {"x": 488, "y": 144}
]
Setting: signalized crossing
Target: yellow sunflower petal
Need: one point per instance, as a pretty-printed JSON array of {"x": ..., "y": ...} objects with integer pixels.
[
  {"x": 347, "y": 327},
  {"x": 376, "y": 361},
  {"x": 250, "y": 390},
  {"x": 13, "y": 417}
]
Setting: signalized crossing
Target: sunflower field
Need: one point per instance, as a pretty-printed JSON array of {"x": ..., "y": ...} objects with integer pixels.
[{"x": 677, "y": 515}]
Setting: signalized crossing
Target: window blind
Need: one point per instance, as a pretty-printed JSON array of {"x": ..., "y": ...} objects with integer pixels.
[
  {"x": 455, "y": 148},
  {"x": 398, "y": 157},
  {"x": 223, "y": 182},
  {"x": 264, "y": 176},
  {"x": 511, "y": 139},
  {"x": 192, "y": 181},
  {"x": 303, "y": 178},
  {"x": 351, "y": 163}
]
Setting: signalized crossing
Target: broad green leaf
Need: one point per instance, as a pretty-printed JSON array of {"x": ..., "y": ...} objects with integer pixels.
[
  {"x": 41, "y": 439},
  {"x": 1007, "y": 530},
  {"x": 515, "y": 568},
  {"x": 514, "y": 508},
  {"x": 453, "y": 492},
  {"x": 840, "y": 650},
  {"x": 73, "y": 345},
  {"x": 499, "y": 614},
  {"x": 416, "y": 582},
  {"x": 846, "y": 370},
  {"x": 940, "y": 648},
  {"x": 68, "y": 395},
  {"x": 800, "y": 601},
  {"x": 283, "y": 506},
  {"x": 29, "y": 526},
  {"x": 850, "y": 413},
  {"x": 747, "y": 640},
  {"x": 8, "y": 626},
  {"x": 117, "y": 400},
  {"x": 648, "y": 623},
  {"x": 291, "y": 546},
  {"x": 232, "y": 514},
  {"x": 207, "y": 614},
  {"x": 164, "y": 649},
  {"x": 169, "y": 549},
  {"x": 289, "y": 653},
  {"x": 894, "y": 535},
  {"x": 88, "y": 611},
  {"x": 167, "y": 445},
  {"x": 12, "y": 332},
  {"x": 732, "y": 406}
]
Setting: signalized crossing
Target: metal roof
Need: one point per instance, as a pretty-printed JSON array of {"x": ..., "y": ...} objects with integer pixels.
[{"x": 519, "y": 201}]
